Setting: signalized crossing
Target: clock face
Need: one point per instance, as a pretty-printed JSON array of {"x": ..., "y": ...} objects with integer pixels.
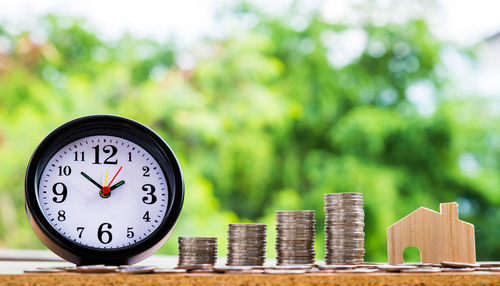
[{"x": 103, "y": 191}]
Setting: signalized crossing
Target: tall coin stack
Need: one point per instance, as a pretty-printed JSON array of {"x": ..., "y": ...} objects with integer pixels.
[
  {"x": 246, "y": 244},
  {"x": 295, "y": 237},
  {"x": 197, "y": 252},
  {"x": 344, "y": 224}
]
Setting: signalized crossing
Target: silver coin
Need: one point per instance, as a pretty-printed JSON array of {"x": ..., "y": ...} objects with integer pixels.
[
  {"x": 347, "y": 203},
  {"x": 200, "y": 270},
  {"x": 351, "y": 221},
  {"x": 197, "y": 247},
  {"x": 294, "y": 229},
  {"x": 459, "y": 264},
  {"x": 43, "y": 270},
  {"x": 245, "y": 263},
  {"x": 294, "y": 262},
  {"x": 199, "y": 254},
  {"x": 240, "y": 272},
  {"x": 294, "y": 267},
  {"x": 198, "y": 238},
  {"x": 335, "y": 267},
  {"x": 96, "y": 269},
  {"x": 395, "y": 268},
  {"x": 358, "y": 203},
  {"x": 198, "y": 244},
  {"x": 286, "y": 271},
  {"x": 246, "y": 246},
  {"x": 489, "y": 263},
  {"x": 284, "y": 254},
  {"x": 242, "y": 237},
  {"x": 295, "y": 220},
  {"x": 242, "y": 262},
  {"x": 294, "y": 257},
  {"x": 295, "y": 212},
  {"x": 259, "y": 259},
  {"x": 343, "y": 195},
  {"x": 137, "y": 270},
  {"x": 243, "y": 254},
  {"x": 197, "y": 259},
  {"x": 283, "y": 263},
  {"x": 247, "y": 232},
  {"x": 195, "y": 266},
  {"x": 169, "y": 271},
  {"x": 223, "y": 269},
  {"x": 422, "y": 270},
  {"x": 247, "y": 229},
  {"x": 350, "y": 250},
  {"x": 451, "y": 269},
  {"x": 246, "y": 250},
  {"x": 489, "y": 269}
]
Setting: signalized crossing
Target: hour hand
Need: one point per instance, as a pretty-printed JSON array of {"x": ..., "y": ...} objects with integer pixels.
[
  {"x": 91, "y": 180},
  {"x": 116, "y": 185}
]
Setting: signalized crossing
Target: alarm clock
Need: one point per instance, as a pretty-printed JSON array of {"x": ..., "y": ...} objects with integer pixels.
[{"x": 103, "y": 189}]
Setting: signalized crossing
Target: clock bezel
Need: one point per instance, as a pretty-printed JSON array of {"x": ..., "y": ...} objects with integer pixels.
[{"x": 113, "y": 126}]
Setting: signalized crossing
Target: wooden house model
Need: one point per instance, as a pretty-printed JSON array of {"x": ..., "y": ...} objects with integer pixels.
[{"x": 438, "y": 236}]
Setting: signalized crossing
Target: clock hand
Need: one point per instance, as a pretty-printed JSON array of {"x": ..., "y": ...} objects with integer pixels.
[
  {"x": 91, "y": 180},
  {"x": 105, "y": 191},
  {"x": 117, "y": 185}
]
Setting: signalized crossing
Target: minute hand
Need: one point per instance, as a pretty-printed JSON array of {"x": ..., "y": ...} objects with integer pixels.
[{"x": 91, "y": 180}]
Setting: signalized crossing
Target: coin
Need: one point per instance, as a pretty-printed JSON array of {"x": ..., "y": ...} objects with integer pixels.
[
  {"x": 490, "y": 269},
  {"x": 195, "y": 252},
  {"x": 295, "y": 235},
  {"x": 169, "y": 271},
  {"x": 335, "y": 267},
  {"x": 395, "y": 268},
  {"x": 197, "y": 238},
  {"x": 96, "y": 269},
  {"x": 294, "y": 267},
  {"x": 344, "y": 224},
  {"x": 200, "y": 270},
  {"x": 284, "y": 271},
  {"x": 43, "y": 270},
  {"x": 137, "y": 270},
  {"x": 195, "y": 266},
  {"x": 451, "y": 269},
  {"x": 421, "y": 270},
  {"x": 250, "y": 271},
  {"x": 489, "y": 263},
  {"x": 459, "y": 264},
  {"x": 246, "y": 244}
]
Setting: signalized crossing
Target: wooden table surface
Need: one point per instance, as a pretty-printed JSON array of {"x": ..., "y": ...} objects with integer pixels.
[
  {"x": 253, "y": 279},
  {"x": 12, "y": 264}
]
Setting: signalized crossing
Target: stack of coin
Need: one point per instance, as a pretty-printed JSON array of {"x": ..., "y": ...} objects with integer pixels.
[
  {"x": 295, "y": 237},
  {"x": 246, "y": 244},
  {"x": 197, "y": 251},
  {"x": 344, "y": 224}
]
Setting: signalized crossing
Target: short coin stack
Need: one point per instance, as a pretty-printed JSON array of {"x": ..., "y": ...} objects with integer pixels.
[
  {"x": 344, "y": 224},
  {"x": 295, "y": 237},
  {"x": 197, "y": 252},
  {"x": 246, "y": 244}
]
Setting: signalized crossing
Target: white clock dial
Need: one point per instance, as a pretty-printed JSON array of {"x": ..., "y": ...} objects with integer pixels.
[{"x": 73, "y": 197}]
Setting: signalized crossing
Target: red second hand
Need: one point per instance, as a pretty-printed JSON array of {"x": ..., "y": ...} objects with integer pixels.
[{"x": 105, "y": 189}]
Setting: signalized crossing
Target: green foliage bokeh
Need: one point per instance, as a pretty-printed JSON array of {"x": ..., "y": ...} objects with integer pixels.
[{"x": 263, "y": 121}]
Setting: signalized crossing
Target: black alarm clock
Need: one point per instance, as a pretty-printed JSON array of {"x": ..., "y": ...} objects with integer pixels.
[{"x": 103, "y": 189}]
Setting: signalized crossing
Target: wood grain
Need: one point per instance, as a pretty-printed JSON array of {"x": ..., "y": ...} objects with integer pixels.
[
  {"x": 438, "y": 236},
  {"x": 255, "y": 279}
]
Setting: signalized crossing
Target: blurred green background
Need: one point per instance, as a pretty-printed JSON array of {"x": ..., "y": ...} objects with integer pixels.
[{"x": 266, "y": 118}]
